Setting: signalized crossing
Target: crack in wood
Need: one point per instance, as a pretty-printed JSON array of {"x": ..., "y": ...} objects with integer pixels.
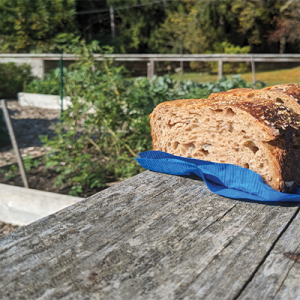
[{"x": 266, "y": 255}]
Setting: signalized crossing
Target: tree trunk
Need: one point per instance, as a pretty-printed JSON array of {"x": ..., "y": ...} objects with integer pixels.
[
  {"x": 112, "y": 21},
  {"x": 282, "y": 44}
]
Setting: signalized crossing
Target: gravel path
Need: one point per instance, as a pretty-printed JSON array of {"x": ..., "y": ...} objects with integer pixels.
[{"x": 28, "y": 123}]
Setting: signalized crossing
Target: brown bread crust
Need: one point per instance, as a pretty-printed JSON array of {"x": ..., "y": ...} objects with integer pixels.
[
  {"x": 291, "y": 165},
  {"x": 275, "y": 124},
  {"x": 291, "y": 89},
  {"x": 287, "y": 95}
]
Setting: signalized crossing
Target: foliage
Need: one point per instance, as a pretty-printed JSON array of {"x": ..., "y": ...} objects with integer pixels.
[
  {"x": 108, "y": 125},
  {"x": 286, "y": 17},
  {"x": 136, "y": 22},
  {"x": 143, "y": 26},
  {"x": 13, "y": 171},
  {"x": 30, "y": 162},
  {"x": 49, "y": 85},
  {"x": 58, "y": 44},
  {"x": 13, "y": 77},
  {"x": 254, "y": 19},
  {"x": 171, "y": 35},
  {"x": 228, "y": 48},
  {"x": 196, "y": 26},
  {"x": 27, "y": 25}
]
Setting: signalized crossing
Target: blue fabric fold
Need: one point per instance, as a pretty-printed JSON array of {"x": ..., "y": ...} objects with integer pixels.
[{"x": 223, "y": 179}]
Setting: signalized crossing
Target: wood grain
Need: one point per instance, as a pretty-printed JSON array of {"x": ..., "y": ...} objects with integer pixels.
[
  {"x": 154, "y": 236},
  {"x": 278, "y": 277}
]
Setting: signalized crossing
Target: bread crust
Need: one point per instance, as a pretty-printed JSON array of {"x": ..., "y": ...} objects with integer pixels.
[
  {"x": 290, "y": 89},
  {"x": 287, "y": 95},
  {"x": 276, "y": 124},
  {"x": 291, "y": 167}
]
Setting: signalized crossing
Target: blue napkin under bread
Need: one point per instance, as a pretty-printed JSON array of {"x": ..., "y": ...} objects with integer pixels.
[{"x": 223, "y": 179}]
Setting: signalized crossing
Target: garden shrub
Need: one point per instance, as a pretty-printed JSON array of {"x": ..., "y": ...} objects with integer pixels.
[
  {"x": 13, "y": 78},
  {"x": 49, "y": 85},
  {"x": 230, "y": 67},
  {"x": 107, "y": 126}
]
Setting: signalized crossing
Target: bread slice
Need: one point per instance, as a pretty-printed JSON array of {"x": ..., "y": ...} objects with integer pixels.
[{"x": 258, "y": 134}]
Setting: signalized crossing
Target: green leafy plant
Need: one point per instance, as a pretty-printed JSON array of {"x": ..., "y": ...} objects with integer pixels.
[
  {"x": 30, "y": 163},
  {"x": 48, "y": 85},
  {"x": 13, "y": 78},
  {"x": 13, "y": 171},
  {"x": 35, "y": 25},
  {"x": 229, "y": 67}
]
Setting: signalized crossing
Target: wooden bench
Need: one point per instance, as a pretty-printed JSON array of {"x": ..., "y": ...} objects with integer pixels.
[{"x": 155, "y": 236}]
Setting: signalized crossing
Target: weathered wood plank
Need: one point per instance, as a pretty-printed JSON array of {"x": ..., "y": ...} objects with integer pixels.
[
  {"x": 121, "y": 207},
  {"x": 278, "y": 277},
  {"x": 230, "y": 270},
  {"x": 154, "y": 236}
]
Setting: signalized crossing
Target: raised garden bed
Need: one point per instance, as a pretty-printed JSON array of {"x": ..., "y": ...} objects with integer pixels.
[{"x": 43, "y": 101}]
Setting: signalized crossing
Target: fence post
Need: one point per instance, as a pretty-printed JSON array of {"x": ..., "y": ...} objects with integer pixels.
[
  {"x": 181, "y": 67},
  {"x": 220, "y": 69},
  {"x": 150, "y": 69},
  {"x": 253, "y": 72},
  {"x": 61, "y": 87},
  {"x": 43, "y": 68},
  {"x": 14, "y": 143}
]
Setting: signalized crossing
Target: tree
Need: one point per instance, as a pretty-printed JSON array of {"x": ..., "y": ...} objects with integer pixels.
[
  {"x": 26, "y": 25},
  {"x": 287, "y": 21},
  {"x": 94, "y": 21},
  {"x": 229, "y": 67},
  {"x": 136, "y": 20},
  {"x": 171, "y": 35},
  {"x": 254, "y": 19}
]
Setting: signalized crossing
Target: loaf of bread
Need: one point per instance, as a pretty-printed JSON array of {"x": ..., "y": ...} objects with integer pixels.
[{"x": 253, "y": 129}]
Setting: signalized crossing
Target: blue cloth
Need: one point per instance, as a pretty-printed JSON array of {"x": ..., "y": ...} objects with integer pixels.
[{"x": 223, "y": 179}]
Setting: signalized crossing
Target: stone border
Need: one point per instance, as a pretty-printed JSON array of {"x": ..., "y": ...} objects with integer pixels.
[
  {"x": 43, "y": 100},
  {"x": 21, "y": 206}
]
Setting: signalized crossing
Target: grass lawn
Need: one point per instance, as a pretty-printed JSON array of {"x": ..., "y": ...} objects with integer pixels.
[{"x": 268, "y": 77}]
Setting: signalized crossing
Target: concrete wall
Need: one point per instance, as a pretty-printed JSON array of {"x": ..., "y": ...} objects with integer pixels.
[{"x": 37, "y": 65}]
